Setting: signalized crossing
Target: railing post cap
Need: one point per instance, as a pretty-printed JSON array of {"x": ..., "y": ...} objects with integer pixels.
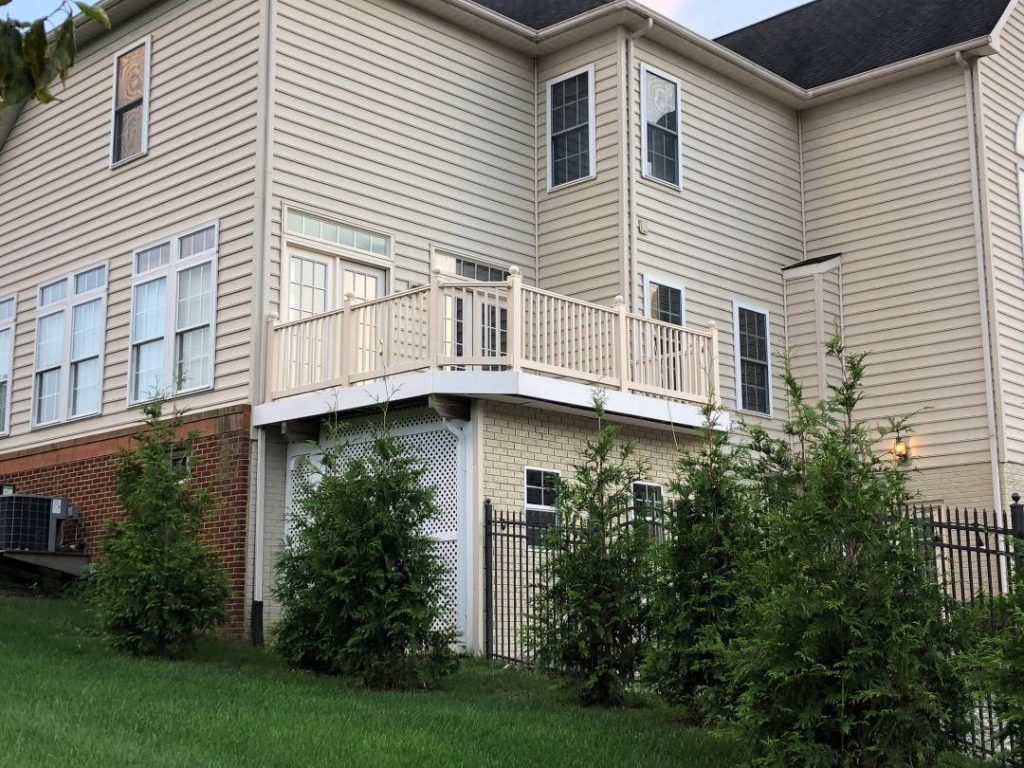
[
  {"x": 273, "y": 317},
  {"x": 712, "y": 325},
  {"x": 514, "y": 270},
  {"x": 619, "y": 300},
  {"x": 436, "y": 271}
]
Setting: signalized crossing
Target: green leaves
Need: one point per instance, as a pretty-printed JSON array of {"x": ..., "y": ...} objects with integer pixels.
[{"x": 31, "y": 57}]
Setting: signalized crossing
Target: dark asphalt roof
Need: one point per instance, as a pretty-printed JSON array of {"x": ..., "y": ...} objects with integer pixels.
[
  {"x": 829, "y": 40},
  {"x": 542, "y": 13}
]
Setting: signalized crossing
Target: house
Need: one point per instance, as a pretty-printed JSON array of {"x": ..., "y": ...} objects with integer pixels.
[{"x": 272, "y": 211}]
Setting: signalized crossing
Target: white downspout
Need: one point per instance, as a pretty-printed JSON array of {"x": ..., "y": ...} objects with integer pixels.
[
  {"x": 630, "y": 174},
  {"x": 974, "y": 137}
]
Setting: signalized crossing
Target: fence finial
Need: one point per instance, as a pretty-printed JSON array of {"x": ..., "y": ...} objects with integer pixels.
[{"x": 1017, "y": 517}]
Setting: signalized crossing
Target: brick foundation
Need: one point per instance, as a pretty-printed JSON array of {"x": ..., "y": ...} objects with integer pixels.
[{"x": 83, "y": 471}]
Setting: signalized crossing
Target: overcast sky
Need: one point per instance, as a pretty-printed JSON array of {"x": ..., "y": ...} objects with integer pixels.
[{"x": 708, "y": 17}]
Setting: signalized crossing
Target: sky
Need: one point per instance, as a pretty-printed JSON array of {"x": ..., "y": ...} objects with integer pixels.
[{"x": 706, "y": 17}]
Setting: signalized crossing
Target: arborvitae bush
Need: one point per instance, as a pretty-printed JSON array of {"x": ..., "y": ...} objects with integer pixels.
[
  {"x": 844, "y": 656},
  {"x": 360, "y": 582},
  {"x": 590, "y": 619},
  {"x": 157, "y": 585},
  {"x": 709, "y": 530}
]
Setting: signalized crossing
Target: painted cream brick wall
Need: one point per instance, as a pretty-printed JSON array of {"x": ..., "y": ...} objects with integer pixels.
[
  {"x": 515, "y": 437},
  {"x": 967, "y": 485}
]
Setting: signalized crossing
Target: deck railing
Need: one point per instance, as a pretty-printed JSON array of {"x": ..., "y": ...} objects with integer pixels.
[{"x": 457, "y": 324}]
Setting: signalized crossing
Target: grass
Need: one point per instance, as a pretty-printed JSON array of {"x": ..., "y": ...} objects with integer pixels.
[{"x": 69, "y": 701}]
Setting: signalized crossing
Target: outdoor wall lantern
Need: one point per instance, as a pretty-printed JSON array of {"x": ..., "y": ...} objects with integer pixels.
[{"x": 901, "y": 450}]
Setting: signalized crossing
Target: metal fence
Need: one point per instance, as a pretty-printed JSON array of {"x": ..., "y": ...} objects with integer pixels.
[{"x": 973, "y": 562}]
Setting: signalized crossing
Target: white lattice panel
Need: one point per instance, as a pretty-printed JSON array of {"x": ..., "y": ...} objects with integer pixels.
[{"x": 426, "y": 437}]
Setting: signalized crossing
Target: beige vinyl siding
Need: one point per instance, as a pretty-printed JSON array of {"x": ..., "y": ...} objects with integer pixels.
[
  {"x": 579, "y": 233},
  {"x": 803, "y": 332},
  {"x": 888, "y": 184},
  {"x": 395, "y": 120},
  {"x": 1002, "y": 92},
  {"x": 63, "y": 209},
  {"x": 727, "y": 234},
  {"x": 831, "y": 322}
]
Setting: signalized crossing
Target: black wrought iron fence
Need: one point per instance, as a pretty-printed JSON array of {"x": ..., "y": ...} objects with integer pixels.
[{"x": 972, "y": 551}]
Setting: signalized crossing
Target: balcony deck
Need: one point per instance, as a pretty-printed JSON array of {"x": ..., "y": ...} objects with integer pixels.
[{"x": 454, "y": 325}]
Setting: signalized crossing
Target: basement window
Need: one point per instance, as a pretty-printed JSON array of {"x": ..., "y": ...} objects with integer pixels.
[{"x": 541, "y": 502}]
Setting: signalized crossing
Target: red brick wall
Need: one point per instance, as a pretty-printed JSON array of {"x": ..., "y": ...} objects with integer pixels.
[{"x": 83, "y": 471}]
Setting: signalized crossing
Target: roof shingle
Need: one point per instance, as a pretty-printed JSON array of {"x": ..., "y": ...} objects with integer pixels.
[
  {"x": 539, "y": 14},
  {"x": 829, "y": 40}
]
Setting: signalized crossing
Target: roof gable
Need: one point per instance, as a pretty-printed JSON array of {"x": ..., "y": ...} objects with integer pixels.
[{"x": 829, "y": 40}]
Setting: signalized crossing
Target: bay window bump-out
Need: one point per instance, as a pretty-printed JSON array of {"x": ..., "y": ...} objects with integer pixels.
[
  {"x": 8, "y": 314},
  {"x": 71, "y": 332},
  {"x": 173, "y": 319},
  {"x": 752, "y": 342},
  {"x": 129, "y": 133},
  {"x": 661, "y": 132},
  {"x": 571, "y": 141}
]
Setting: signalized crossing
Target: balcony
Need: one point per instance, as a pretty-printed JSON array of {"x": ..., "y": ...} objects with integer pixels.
[{"x": 458, "y": 325}]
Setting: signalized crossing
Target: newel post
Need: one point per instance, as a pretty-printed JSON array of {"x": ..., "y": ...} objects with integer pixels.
[
  {"x": 274, "y": 366},
  {"x": 716, "y": 374},
  {"x": 435, "y": 321},
  {"x": 516, "y": 317},
  {"x": 349, "y": 339},
  {"x": 1017, "y": 517},
  {"x": 621, "y": 343}
]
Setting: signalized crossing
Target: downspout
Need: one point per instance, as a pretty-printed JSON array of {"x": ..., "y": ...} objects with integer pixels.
[
  {"x": 536, "y": 170},
  {"x": 630, "y": 175},
  {"x": 260, "y": 300},
  {"x": 981, "y": 259}
]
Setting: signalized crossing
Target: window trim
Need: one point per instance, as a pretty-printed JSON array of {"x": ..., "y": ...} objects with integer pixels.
[
  {"x": 547, "y": 471},
  {"x": 650, "y": 483},
  {"x": 115, "y": 162},
  {"x": 444, "y": 258},
  {"x": 737, "y": 305},
  {"x": 667, "y": 281},
  {"x": 67, "y": 305},
  {"x": 1018, "y": 136},
  {"x": 590, "y": 70},
  {"x": 171, "y": 270},
  {"x": 385, "y": 261},
  {"x": 12, "y": 326},
  {"x": 646, "y": 69}
]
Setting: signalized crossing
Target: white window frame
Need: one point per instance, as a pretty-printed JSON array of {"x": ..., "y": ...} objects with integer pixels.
[
  {"x": 737, "y": 305},
  {"x": 115, "y": 162},
  {"x": 590, "y": 70},
  {"x": 67, "y": 306},
  {"x": 649, "y": 483},
  {"x": 170, "y": 271},
  {"x": 646, "y": 69},
  {"x": 546, "y": 471},
  {"x": 668, "y": 282},
  {"x": 444, "y": 259},
  {"x": 9, "y": 325}
]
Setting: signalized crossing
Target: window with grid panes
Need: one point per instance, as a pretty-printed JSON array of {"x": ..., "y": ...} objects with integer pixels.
[
  {"x": 571, "y": 101},
  {"x": 754, "y": 367}
]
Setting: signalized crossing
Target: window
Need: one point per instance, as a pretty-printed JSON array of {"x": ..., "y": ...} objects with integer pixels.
[
  {"x": 571, "y": 150},
  {"x": 753, "y": 354},
  {"x": 336, "y": 233},
  {"x": 541, "y": 500},
  {"x": 664, "y": 302},
  {"x": 130, "y": 132},
  {"x": 8, "y": 312},
  {"x": 647, "y": 505},
  {"x": 71, "y": 329},
  {"x": 482, "y": 272},
  {"x": 173, "y": 316},
  {"x": 661, "y": 139}
]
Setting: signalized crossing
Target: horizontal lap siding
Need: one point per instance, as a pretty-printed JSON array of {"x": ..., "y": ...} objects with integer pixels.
[
  {"x": 63, "y": 209},
  {"x": 736, "y": 222},
  {"x": 803, "y": 333},
  {"x": 401, "y": 122},
  {"x": 888, "y": 184},
  {"x": 580, "y": 229},
  {"x": 1002, "y": 91}
]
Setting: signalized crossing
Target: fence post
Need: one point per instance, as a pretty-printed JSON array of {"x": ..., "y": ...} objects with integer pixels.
[
  {"x": 1017, "y": 517},
  {"x": 488, "y": 580},
  {"x": 621, "y": 343}
]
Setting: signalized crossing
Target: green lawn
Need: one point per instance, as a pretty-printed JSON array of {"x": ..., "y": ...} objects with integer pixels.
[{"x": 67, "y": 701}]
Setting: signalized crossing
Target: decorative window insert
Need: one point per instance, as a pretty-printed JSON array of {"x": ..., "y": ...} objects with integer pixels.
[
  {"x": 541, "y": 501},
  {"x": 661, "y": 141},
  {"x": 130, "y": 119},
  {"x": 71, "y": 331},
  {"x": 648, "y": 503},
  {"x": 174, "y": 299},
  {"x": 664, "y": 302},
  {"x": 336, "y": 233},
  {"x": 8, "y": 313},
  {"x": 570, "y": 108},
  {"x": 753, "y": 359}
]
